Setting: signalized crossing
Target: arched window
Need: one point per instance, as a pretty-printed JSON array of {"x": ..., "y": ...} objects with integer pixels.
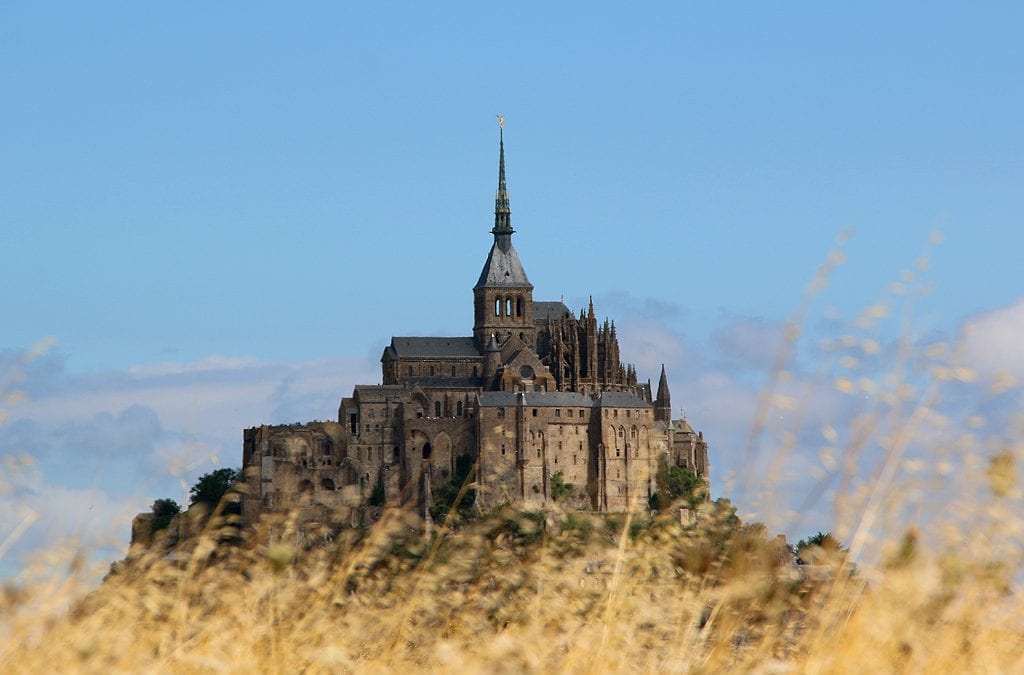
[
  {"x": 437, "y": 408},
  {"x": 458, "y": 408},
  {"x": 508, "y": 306},
  {"x": 327, "y": 484},
  {"x": 519, "y": 306},
  {"x": 431, "y": 371},
  {"x": 497, "y": 307}
]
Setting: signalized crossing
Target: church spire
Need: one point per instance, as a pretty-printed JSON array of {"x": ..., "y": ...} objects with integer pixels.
[
  {"x": 663, "y": 403},
  {"x": 502, "y": 212}
]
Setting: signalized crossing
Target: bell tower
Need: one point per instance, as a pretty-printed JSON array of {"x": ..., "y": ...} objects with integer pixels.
[{"x": 503, "y": 296}]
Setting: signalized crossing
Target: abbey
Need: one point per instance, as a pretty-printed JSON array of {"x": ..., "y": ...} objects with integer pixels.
[{"x": 536, "y": 400}]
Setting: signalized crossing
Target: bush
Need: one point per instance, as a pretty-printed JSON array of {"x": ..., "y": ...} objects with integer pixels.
[
  {"x": 211, "y": 488},
  {"x": 164, "y": 510}
]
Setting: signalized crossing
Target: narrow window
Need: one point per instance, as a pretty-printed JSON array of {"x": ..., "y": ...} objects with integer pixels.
[
  {"x": 538, "y": 453},
  {"x": 556, "y": 459},
  {"x": 458, "y": 408},
  {"x": 508, "y": 306},
  {"x": 474, "y": 371},
  {"x": 453, "y": 371},
  {"x": 437, "y": 408},
  {"x": 396, "y": 452},
  {"x": 519, "y": 306},
  {"x": 574, "y": 460},
  {"x": 501, "y": 412},
  {"x": 431, "y": 371},
  {"x": 497, "y": 307},
  {"x": 534, "y": 412},
  {"x": 410, "y": 371},
  {"x": 558, "y": 412},
  {"x": 503, "y": 449}
]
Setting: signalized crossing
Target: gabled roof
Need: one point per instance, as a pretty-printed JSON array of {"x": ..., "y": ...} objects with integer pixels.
[
  {"x": 433, "y": 347},
  {"x": 550, "y": 310},
  {"x": 502, "y": 268}
]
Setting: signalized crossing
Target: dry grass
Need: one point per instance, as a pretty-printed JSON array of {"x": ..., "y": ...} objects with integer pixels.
[
  {"x": 517, "y": 592},
  {"x": 926, "y": 495}
]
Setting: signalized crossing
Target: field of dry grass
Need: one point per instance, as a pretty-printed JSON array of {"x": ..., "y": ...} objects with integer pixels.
[
  {"x": 924, "y": 488},
  {"x": 519, "y": 591}
]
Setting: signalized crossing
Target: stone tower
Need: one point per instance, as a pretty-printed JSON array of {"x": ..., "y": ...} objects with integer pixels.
[
  {"x": 503, "y": 296},
  {"x": 663, "y": 404}
]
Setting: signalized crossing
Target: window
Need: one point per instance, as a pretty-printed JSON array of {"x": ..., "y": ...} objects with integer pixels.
[
  {"x": 437, "y": 408},
  {"x": 396, "y": 452},
  {"x": 503, "y": 449},
  {"x": 508, "y": 306},
  {"x": 615, "y": 413},
  {"x": 372, "y": 414},
  {"x": 581, "y": 413},
  {"x": 519, "y": 307},
  {"x": 367, "y": 427},
  {"x": 410, "y": 371},
  {"x": 501, "y": 412},
  {"x": 538, "y": 453},
  {"x": 453, "y": 371},
  {"x": 618, "y": 452},
  {"x": 458, "y": 408},
  {"x": 627, "y": 413},
  {"x": 556, "y": 459},
  {"x": 558, "y": 412},
  {"x": 574, "y": 460},
  {"x": 431, "y": 371},
  {"x": 534, "y": 412},
  {"x": 497, "y": 307},
  {"x": 474, "y": 371}
]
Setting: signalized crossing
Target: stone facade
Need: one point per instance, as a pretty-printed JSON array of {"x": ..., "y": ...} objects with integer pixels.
[{"x": 537, "y": 397}]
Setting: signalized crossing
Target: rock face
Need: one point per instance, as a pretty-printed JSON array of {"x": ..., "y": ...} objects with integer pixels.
[{"x": 537, "y": 396}]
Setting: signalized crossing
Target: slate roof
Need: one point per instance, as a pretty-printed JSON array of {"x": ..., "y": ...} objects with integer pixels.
[
  {"x": 502, "y": 268},
  {"x": 537, "y": 399},
  {"x": 434, "y": 347},
  {"x": 377, "y": 393},
  {"x": 543, "y": 311},
  {"x": 621, "y": 399}
]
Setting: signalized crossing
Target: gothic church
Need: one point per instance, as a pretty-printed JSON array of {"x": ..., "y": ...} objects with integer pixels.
[{"x": 536, "y": 398}]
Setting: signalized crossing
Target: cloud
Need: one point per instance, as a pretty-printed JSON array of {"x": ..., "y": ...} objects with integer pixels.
[
  {"x": 750, "y": 341},
  {"x": 992, "y": 341}
]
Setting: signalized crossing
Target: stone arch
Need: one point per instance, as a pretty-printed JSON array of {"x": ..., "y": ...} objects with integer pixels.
[{"x": 327, "y": 484}]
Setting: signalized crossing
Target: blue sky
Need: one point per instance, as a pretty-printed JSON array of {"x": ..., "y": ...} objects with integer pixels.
[{"x": 221, "y": 213}]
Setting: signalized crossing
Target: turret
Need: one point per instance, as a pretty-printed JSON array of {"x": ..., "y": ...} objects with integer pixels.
[
  {"x": 663, "y": 403},
  {"x": 492, "y": 360}
]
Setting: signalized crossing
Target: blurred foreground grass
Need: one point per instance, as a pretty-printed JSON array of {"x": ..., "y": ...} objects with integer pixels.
[{"x": 522, "y": 591}]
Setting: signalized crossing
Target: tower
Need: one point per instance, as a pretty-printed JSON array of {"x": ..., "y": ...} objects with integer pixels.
[
  {"x": 663, "y": 404},
  {"x": 503, "y": 296}
]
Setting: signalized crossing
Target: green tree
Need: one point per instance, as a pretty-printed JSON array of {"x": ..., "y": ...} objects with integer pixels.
[
  {"x": 211, "y": 488},
  {"x": 818, "y": 548},
  {"x": 560, "y": 490},
  {"x": 675, "y": 483},
  {"x": 446, "y": 496},
  {"x": 163, "y": 511}
]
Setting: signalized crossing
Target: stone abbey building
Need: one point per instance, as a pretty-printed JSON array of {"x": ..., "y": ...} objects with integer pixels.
[{"x": 537, "y": 397}]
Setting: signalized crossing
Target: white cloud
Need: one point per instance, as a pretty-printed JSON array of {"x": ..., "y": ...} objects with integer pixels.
[{"x": 994, "y": 341}]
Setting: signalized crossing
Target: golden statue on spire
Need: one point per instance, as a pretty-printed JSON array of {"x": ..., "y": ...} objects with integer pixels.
[{"x": 501, "y": 121}]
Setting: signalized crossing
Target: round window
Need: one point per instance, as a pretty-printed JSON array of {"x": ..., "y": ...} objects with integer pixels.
[{"x": 526, "y": 371}]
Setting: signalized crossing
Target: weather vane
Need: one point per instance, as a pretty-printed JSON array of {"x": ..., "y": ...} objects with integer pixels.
[{"x": 501, "y": 121}]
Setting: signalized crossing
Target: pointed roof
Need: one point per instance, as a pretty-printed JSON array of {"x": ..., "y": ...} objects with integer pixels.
[
  {"x": 502, "y": 268},
  {"x": 663, "y": 395},
  {"x": 502, "y": 210}
]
